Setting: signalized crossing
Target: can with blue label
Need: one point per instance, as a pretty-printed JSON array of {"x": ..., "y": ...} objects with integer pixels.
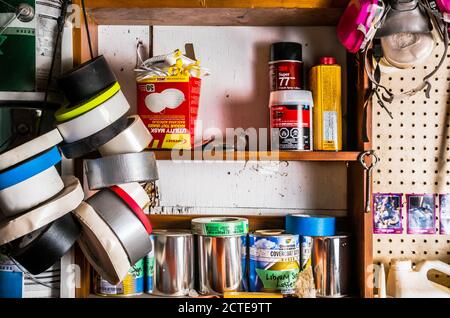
[
  {"x": 274, "y": 261},
  {"x": 150, "y": 268},
  {"x": 132, "y": 285},
  {"x": 305, "y": 251}
]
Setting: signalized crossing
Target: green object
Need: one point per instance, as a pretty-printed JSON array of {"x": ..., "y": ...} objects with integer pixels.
[
  {"x": 225, "y": 226},
  {"x": 17, "y": 51},
  {"x": 137, "y": 270},
  {"x": 278, "y": 280}
]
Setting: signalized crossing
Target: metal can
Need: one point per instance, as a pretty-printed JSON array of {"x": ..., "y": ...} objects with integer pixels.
[
  {"x": 173, "y": 270},
  {"x": 150, "y": 268},
  {"x": 330, "y": 261},
  {"x": 305, "y": 251},
  {"x": 132, "y": 284},
  {"x": 273, "y": 261}
]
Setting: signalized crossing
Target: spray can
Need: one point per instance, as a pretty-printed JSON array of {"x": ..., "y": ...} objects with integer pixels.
[
  {"x": 291, "y": 120},
  {"x": 286, "y": 66},
  {"x": 325, "y": 84}
]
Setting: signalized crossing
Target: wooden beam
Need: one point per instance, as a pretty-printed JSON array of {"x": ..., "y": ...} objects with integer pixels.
[{"x": 81, "y": 52}]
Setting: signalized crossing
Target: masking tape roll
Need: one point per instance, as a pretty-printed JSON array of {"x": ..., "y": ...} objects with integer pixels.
[
  {"x": 124, "y": 223},
  {"x": 136, "y": 192},
  {"x": 135, "y": 138},
  {"x": 70, "y": 112},
  {"x": 29, "y": 168},
  {"x": 30, "y": 149},
  {"x": 124, "y": 168},
  {"x": 101, "y": 246},
  {"x": 220, "y": 226},
  {"x": 90, "y": 144},
  {"x": 306, "y": 225},
  {"x": 67, "y": 200},
  {"x": 134, "y": 206},
  {"x": 31, "y": 192},
  {"x": 39, "y": 250},
  {"x": 95, "y": 120},
  {"x": 86, "y": 80}
]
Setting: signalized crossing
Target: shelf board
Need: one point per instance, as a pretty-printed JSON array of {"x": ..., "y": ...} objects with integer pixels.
[
  {"x": 178, "y": 155},
  {"x": 217, "y": 12}
]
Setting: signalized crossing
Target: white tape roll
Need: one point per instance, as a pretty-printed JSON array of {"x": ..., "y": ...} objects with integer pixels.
[
  {"x": 137, "y": 192},
  {"x": 101, "y": 246},
  {"x": 66, "y": 201},
  {"x": 31, "y": 192},
  {"x": 135, "y": 138},
  {"x": 94, "y": 120},
  {"x": 30, "y": 149}
]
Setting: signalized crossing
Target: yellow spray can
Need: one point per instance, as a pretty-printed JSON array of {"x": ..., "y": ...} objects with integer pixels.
[{"x": 325, "y": 84}]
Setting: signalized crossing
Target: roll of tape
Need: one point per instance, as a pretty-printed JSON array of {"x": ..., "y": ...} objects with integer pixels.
[
  {"x": 137, "y": 192},
  {"x": 30, "y": 149},
  {"x": 86, "y": 80},
  {"x": 67, "y": 200},
  {"x": 95, "y": 120},
  {"x": 220, "y": 226},
  {"x": 70, "y": 112},
  {"x": 101, "y": 246},
  {"x": 306, "y": 225},
  {"x": 39, "y": 250},
  {"x": 135, "y": 138},
  {"x": 124, "y": 223},
  {"x": 89, "y": 144},
  {"x": 29, "y": 168},
  {"x": 31, "y": 192},
  {"x": 134, "y": 206},
  {"x": 125, "y": 168}
]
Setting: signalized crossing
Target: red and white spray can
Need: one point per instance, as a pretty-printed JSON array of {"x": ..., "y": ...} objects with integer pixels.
[{"x": 286, "y": 66}]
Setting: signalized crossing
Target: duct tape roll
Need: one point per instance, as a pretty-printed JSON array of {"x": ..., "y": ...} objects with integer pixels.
[
  {"x": 29, "y": 168},
  {"x": 137, "y": 193},
  {"x": 39, "y": 250},
  {"x": 134, "y": 206},
  {"x": 135, "y": 138},
  {"x": 101, "y": 246},
  {"x": 30, "y": 149},
  {"x": 89, "y": 144},
  {"x": 95, "y": 120},
  {"x": 86, "y": 80},
  {"x": 118, "y": 169},
  {"x": 306, "y": 225},
  {"x": 67, "y": 200},
  {"x": 69, "y": 112},
  {"x": 31, "y": 192},
  {"x": 220, "y": 226},
  {"x": 124, "y": 223}
]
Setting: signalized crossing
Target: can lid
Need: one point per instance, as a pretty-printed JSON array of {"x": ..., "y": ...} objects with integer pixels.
[
  {"x": 286, "y": 51},
  {"x": 327, "y": 60},
  {"x": 172, "y": 232},
  {"x": 274, "y": 232}
]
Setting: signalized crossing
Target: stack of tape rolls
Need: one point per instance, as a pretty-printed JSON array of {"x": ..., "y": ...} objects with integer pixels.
[{"x": 115, "y": 230}]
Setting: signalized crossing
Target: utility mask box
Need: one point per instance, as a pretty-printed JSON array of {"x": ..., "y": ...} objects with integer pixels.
[{"x": 168, "y": 106}]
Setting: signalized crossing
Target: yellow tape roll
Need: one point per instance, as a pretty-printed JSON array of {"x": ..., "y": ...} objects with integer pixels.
[{"x": 64, "y": 113}]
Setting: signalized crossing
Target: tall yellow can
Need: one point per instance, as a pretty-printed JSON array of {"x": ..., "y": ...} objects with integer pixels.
[{"x": 325, "y": 84}]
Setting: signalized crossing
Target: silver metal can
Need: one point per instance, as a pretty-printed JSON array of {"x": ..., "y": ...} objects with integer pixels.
[
  {"x": 330, "y": 261},
  {"x": 174, "y": 262},
  {"x": 221, "y": 263}
]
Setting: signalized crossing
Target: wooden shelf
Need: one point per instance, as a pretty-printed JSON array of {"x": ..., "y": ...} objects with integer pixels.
[
  {"x": 217, "y": 12},
  {"x": 177, "y": 155}
]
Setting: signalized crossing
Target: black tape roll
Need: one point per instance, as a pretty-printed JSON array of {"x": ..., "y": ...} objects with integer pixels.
[
  {"x": 86, "y": 80},
  {"x": 39, "y": 250},
  {"x": 91, "y": 143}
]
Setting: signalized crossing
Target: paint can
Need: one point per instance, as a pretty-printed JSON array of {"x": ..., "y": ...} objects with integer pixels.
[
  {"x": 305, "y": 251},
  {"x": 131, "y": 285},
  {"x": 286, "y": 66},
  {"x": 330, "y": 262},
  {"x": 149, "y": 272},
  {"x": 273, "y": 261},
  {"x": 291, "y": 125},
  {"x": 173, "y": 269},
  {"x": 221, "y": 254}
]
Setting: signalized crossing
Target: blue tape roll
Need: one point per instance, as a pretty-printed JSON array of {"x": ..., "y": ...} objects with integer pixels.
[
  {"x": 29, "y": 168},
  {"x": 310, "y": 225}
]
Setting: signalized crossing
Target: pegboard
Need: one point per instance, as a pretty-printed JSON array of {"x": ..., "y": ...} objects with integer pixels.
[{"x": 414, "y": 148}]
